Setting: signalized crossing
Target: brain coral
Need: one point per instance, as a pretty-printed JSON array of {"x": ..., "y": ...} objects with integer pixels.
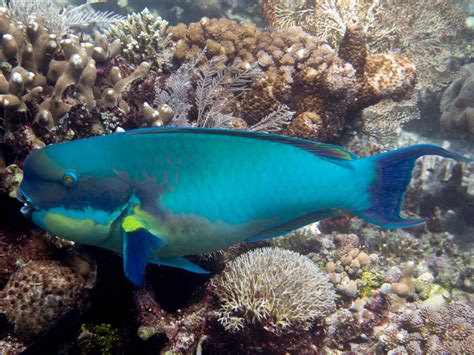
[
  {"x": 38, "y": 294},
  {"x": 274, "y": 287},
  {"x": 457, "y": 104}
]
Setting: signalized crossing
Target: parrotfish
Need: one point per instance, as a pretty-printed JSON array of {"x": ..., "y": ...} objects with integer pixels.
[{"x": 157, "y": 195}]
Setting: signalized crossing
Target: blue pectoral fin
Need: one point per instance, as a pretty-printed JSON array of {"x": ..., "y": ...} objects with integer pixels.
[
  {"x": 181, "y": 263},
  {"x": 139, "y": 247},
  {"x": 394, "y": 170},
  {"x": 294, "y": 224}
]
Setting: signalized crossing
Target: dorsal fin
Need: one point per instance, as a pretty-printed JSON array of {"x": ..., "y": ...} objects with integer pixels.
[{"x": 322, "y": 150}]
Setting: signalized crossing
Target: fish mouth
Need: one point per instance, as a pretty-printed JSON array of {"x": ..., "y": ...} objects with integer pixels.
[{"x": 28, "y": 205}]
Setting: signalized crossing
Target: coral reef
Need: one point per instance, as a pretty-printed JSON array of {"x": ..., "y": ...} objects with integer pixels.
[
  {"x": 185, "y": 330},
  {"x": 423, "y": 329},
  {"x": 340, "y": 285},
  {"x": 311, "y": 79},
  {"x": 38, "y": 294},
  {"x": 58, "y": 90},
  {"x": 144, "y": 38},
  {"x": 247, "y": 296},
  {"x": 430, "y": 33},
  {"x": 457, "y": 107}
]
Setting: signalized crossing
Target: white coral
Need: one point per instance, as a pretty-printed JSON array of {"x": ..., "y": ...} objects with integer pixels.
[
  {"x": 274, "y": 286},
  {"x": 57, "y": 19}
]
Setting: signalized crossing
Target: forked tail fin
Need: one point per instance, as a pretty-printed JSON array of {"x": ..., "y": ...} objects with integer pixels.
[{"x": 394, "y": 170}]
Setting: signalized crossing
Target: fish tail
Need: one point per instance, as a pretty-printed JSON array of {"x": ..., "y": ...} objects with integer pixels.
[{"x": 394, "y": 171}]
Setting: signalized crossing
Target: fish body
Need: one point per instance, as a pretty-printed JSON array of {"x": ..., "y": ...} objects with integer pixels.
[{"x": 156, "y": 195}]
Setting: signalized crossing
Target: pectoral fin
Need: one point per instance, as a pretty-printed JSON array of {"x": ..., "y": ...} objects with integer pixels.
[
  {"x": 139, "y": 247},
  {"x": 180, "y": 262}
]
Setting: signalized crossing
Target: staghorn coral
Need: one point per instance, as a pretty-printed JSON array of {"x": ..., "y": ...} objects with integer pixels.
[
  {"x": 145, "y": 39},
  {"x": 423, "y": 329},
  {"x": 272, "y": 287},
  {"x": 311, "y": 79},
  {"x": 38, "y": 294}
]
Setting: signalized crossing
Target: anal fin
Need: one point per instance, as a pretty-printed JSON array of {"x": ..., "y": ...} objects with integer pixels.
[{"x": 294, "y": 224}]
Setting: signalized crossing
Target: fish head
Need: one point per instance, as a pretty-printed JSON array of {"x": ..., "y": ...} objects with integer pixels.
[{"x": 71, "y": 190}]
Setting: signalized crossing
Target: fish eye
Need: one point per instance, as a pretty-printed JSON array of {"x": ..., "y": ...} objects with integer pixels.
[{"x": 70, "y": 179}]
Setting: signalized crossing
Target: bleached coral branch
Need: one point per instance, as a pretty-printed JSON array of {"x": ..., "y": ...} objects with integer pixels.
[
  {"x": 217, "y": 86},
  {"x": 274, "y": 121},
  {"x": 383, "y": 121}
]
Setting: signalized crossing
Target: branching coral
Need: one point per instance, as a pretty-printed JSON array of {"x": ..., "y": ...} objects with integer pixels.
[
  {"x": 272, "y": 287},
  {"x": 145, "y": 39}
]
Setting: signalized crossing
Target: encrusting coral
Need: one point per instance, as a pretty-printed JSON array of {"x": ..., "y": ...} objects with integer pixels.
[
  {"x": 423, "y": 329},
  {"x": 427, "y": 32}
]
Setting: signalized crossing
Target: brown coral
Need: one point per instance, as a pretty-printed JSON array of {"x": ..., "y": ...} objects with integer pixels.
[
  {"x": 38, "y": 294},
  {"x": 53, "y": 90},
  {"x": 324, "y": 88}
]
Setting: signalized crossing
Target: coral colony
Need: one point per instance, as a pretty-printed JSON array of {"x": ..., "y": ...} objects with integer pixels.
[{"x": 339, "y": 71}]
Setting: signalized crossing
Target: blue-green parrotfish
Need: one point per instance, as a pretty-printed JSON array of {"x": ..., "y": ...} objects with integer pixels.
[{"x": 157, "y": 195}]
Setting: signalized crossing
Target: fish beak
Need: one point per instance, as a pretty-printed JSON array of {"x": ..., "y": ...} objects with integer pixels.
[{"x": 28, "y": 205}]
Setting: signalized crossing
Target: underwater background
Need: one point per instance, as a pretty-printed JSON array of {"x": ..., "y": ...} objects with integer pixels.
[{"x": 367, "y": 75}]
